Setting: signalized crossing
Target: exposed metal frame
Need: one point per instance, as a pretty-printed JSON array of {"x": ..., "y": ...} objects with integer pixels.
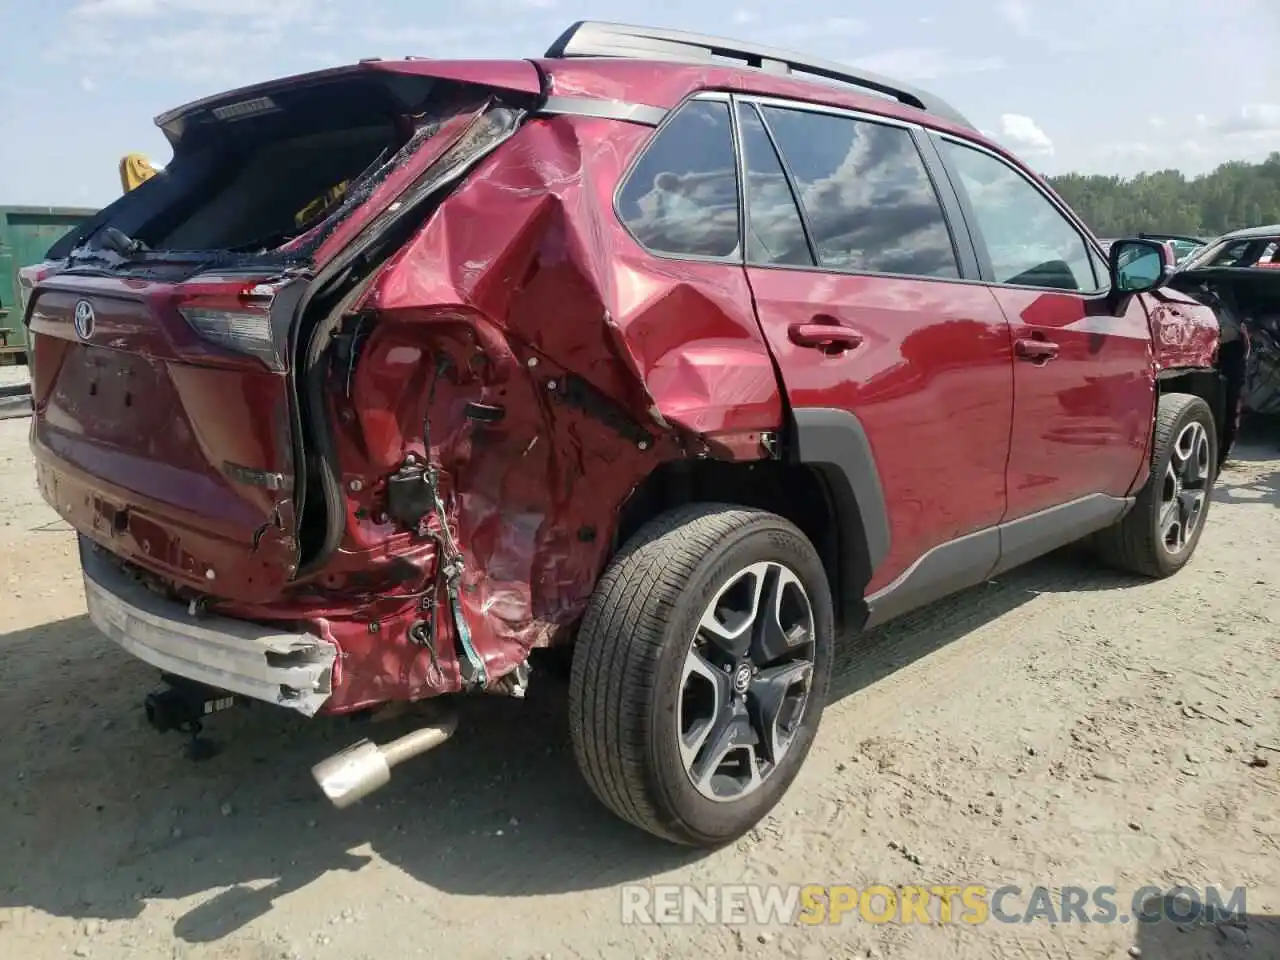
[{"x": 591, "y": 38}]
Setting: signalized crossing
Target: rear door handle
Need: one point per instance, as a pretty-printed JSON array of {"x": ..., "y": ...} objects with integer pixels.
[
  {"x": 824, "y": 335},
  {"x": 1040, "y": 351}
]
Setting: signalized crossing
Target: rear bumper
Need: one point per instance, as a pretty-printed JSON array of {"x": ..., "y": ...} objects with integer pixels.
[{"x": 293, "y": 670}]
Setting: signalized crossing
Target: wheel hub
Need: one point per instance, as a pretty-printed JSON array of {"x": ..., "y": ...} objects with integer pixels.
[
  {"x": 746, "y": 681},
  {"x": 1185, "y": 489}
]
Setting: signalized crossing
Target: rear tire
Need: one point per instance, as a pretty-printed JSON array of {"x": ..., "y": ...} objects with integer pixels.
[
  {"x": 1158, "y": 536},
  {"x": 701, "y": 671}
]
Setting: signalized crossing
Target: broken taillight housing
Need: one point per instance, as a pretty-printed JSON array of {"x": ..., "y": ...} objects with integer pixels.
[{"x": 237, "y": 318}]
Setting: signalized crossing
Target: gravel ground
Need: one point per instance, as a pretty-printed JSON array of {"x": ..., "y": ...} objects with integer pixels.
[
  {"x": 1064, "y": 726},
  {"x": 14, "y": 374}
]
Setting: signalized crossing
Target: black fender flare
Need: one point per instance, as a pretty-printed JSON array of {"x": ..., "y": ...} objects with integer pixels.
[{"x": 834, "y": 443}]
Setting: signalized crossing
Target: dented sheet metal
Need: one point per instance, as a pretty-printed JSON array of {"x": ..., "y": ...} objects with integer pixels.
[
  {"x": 294, "y": 670},
  {"x": 542, "y": 367},
  {"x": 1185, "y": 332}
]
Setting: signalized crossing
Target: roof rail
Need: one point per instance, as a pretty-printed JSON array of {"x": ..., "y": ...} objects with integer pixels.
[{"x": 589, "y": 38}]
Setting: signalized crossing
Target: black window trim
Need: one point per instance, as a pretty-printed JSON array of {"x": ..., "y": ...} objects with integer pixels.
[
  {"x": 979, "y": 241},
  {"x": 737, "y": 259},
  {"x": 967, "y": 260},
  {"x": 743, "y": 103}
]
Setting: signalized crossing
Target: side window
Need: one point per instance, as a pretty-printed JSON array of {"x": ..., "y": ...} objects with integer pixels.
[
  {"x": 1230, "y": 255},
  {"x": 1031, "y": 244},
  {"x": 681, "y": 199},
  {"x": 866, "y": 194},
  {"x": 775, "y": 233}
]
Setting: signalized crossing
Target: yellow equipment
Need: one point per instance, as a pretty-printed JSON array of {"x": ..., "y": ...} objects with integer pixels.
[{"x": 134, "y": 170}]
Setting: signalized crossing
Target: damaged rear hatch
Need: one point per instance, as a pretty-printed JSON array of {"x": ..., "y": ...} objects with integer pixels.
[{"x": 167, "y": 423}]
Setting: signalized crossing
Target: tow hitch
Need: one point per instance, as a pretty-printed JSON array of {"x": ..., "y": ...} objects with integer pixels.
[{"x": 182, "y": 705}]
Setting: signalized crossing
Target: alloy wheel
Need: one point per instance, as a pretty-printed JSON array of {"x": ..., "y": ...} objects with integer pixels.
[
  {"x": 1185, "y": 487},
  {"x": 746, "y": 681}
]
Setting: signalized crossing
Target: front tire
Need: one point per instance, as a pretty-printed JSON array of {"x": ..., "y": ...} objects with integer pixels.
[
  {"x": 1158, "y": 536},
  {"x": 701, "y": 671}
]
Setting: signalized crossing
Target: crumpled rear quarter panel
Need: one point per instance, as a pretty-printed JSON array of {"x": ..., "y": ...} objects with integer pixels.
[{"x": 521, "y": 279}]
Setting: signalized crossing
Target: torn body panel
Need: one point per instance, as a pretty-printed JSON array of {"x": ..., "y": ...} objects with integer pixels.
[
  {"x": 522, "y": 359},
  {"x": 1200, "y": 344},
  {"x": 1185, "y": 332}
]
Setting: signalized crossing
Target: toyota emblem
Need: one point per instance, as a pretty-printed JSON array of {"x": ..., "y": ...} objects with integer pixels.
[{"x": 84, "y": 320}]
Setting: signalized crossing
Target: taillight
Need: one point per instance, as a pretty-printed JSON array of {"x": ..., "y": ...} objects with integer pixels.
[
  {"x": 28, "y": 277},
  {"x": 235, "y": 317}
]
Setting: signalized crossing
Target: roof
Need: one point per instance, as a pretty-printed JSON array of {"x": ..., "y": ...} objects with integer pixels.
[
  {"x": 595, "y": 39},
  {"x": 1248, "y": 233},
  {"x": 645, "y": 67}
]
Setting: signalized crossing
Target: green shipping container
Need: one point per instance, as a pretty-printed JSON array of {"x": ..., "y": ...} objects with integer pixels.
[{"x": 25, "y": 234}]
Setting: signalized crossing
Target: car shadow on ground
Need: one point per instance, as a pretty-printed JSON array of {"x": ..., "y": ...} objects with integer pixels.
[
  {"x": 103, "y": 814},
  {"x": 1239, "y": 481},
  {"x": 1186, "y": 930}
]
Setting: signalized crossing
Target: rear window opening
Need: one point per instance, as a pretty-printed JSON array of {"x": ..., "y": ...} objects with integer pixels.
[
  {"x": 281, "y": 188},
  {"x": 281, "y": 172}
]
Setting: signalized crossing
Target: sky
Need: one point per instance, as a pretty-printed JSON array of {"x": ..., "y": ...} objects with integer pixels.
[{"x": 1096, "y": 86}]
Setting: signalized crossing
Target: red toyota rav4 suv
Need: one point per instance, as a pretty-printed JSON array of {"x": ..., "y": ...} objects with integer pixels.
[{"x": 653, "y": 346}]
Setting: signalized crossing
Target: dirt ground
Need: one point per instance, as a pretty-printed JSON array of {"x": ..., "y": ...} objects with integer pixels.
[{"x": 1064, "y": 726}]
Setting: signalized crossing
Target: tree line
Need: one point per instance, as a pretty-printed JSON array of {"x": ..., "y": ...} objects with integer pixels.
[{"x": 1235, "y": 195}]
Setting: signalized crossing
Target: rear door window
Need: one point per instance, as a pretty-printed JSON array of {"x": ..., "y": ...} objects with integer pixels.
[
  {"x": 866, "y": 194},
  {"x": 681, "y": 198},
  {"x": 775, "y": 232}
]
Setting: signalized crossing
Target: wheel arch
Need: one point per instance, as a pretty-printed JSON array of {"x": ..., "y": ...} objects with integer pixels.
[
  {"x": 1214, "y": 386},
  {"x": 823, "y": 479}
]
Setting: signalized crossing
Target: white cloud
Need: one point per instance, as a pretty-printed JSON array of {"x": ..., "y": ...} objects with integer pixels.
[
  {"x": 743, "y": 16},
  {"x": 116, "y": 8},
  {"x": 1250, "y": 120},
  {"x": 1023, "y": 135},
  {"x": 807, "y": 31},
  {"x": 1157, "y": 122},
  {"x": 925, "y": 63},
  {"x": 1017, "y": 14},
  {"x": 251, "y": 12},
  {"x": 87, "y": 84},
  {"x": 210, "y": 42}
]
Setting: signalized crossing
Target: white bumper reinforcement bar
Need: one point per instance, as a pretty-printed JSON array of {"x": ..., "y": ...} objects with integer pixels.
[{"x": 293, "y": 670}]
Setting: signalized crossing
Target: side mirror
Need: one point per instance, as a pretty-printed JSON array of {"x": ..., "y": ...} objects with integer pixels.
[{"x": 1139, "y": 265}]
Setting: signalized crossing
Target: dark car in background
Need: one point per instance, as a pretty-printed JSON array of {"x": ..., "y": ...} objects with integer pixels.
[
  {"x": 1183, "y": 246},
  {"x": 1240, "y": 272}
]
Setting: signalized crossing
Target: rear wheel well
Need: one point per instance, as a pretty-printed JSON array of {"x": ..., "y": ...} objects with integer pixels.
[{"x": 807, "y": 495}]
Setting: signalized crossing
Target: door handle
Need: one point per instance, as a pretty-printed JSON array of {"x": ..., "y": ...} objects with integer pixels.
[
  {"x": 824, "y": 335},
  {"x": 1037, "y": 351}
]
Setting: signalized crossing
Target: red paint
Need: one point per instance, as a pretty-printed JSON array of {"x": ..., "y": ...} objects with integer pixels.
[
  {"x": 519, "y": 270},
  {"x": 131, "y": 432},
  {"x": 1081, "y": 419},
  {"x": 514, "y": 76},
  {"x": 523, "y": 281},
  {"x": 932, "y": 383},
  {"x": 1184, "y": 332}
]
